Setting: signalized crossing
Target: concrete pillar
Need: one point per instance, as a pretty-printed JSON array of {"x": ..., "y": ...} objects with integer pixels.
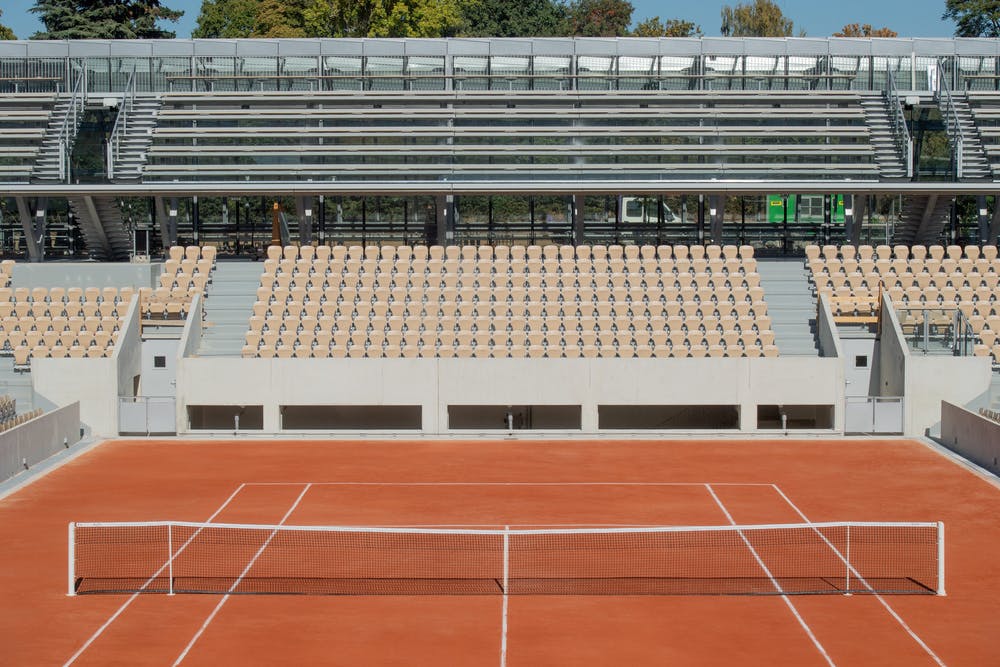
[
  {"x": 445, "y": 205},
  {"x": 304, "y": 209},
  {"x": 28, "y": 227},
  {"x": 717, "y": 213},
  {"x": 579, "y": 232},
  {"x": 984, "y": 220}
]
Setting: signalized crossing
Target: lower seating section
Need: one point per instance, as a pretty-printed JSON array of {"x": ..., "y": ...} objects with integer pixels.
[
  {"x": 916, "y": 277},
  {"x": 510, "y": 301},
  {"x": 60, "y": 322},
  {"x": 8, "y": 408},
  {"x": 17, "y": 420},
  {"x": 992, "y": 415},
  {"x": 186, "y": 272}
]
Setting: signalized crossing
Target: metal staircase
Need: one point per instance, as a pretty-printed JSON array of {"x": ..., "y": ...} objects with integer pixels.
[
  {"x": 923, "y": 219},
  {"x": 102, "y": 226},
  {"x": 52, "y": 161},
  {"x": 884, "y": 138},
  {"x": 970, "y": 160},
  {"x": 132, "y": 134}
]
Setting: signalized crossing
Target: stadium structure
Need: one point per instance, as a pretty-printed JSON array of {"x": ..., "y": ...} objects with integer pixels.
[{"x": 583, "y": 236}]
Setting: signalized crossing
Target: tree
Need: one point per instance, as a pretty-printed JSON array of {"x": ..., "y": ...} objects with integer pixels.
[
  {"x": 97, "y": 19},
  {"x": 281, "y": 19},
  {"x": 227, "y": 19},
  {"x": 5, "y": 32},
  {"x": 381, "y": 18},
  {"x": 761, "y": 18},
  {"x": 974, "y": 18},
  {"x": 654, "y": 27},
  {"x": 865, "y": 30},
  {"x": 598, "y": 18},
  {"x": 512, "y": 18}
]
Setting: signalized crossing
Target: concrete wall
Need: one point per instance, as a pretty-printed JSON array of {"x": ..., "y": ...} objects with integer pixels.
[
  {"x": 85, "y": 274},
  {"x": 891, "y": 354},
  {"x": 973, "y": 436},
  {"x": 435, "y": 384},
  {"x": 931, "y": 380},
  {"x": 38, "y": 439},
  {"x": 826, "y": 329},
  {"x": 95, "y": 383}
]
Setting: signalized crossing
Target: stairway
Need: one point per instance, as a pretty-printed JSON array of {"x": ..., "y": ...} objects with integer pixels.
[
  {"x": 923, "y": 219},
  {"x": 228, "y": 306},
  {"x": 102, "y": 226},
  {"x": 791, "y": 305},
  {"x": 137, "y": 138},
  {"x": 975, "y": 164},
  {"x": 48, "y": 158},
  {"x": 890, "y": 163}
]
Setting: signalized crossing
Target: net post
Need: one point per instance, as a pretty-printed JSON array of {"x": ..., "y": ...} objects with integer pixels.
[
  {"x": 847, "y": 562},
  {"x": 506, "y": 558},
  {"x": 170, "y": 559},
  {"x": 940, "y": 531},
  {"x": 71, "y": 561}
]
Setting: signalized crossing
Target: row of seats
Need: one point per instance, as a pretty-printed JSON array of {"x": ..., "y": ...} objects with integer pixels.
[
  {"x": 368, "y": 308},
  {"x": 499, "y": 252},
  {"x": 186, "y": 272},
  {"x": 17, "y": 420},
  {"x": 962, "y": 287},
  {"x": 993, "y": 415}
]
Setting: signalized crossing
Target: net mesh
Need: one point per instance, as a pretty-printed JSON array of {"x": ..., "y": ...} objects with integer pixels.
[{"x": 746, "y": 560}]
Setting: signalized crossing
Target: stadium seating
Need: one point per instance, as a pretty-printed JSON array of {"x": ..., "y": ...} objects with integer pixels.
[
  {"x": 510, "y": 301},
  {"x": 17, "y": 420},
  {"x": 186, "y": 272},
  {"x": 934, "y": 277},
  {"x": 24, "y": 119}
]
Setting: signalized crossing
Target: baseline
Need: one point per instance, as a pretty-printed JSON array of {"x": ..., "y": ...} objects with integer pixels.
[
  {"x": 125, "y": 605},
  {"x": 892, "y": 612}
]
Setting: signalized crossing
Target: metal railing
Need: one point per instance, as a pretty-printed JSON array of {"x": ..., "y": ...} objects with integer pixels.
[
  {"x": 71, "y": 124},
  {"x": 952, "y": 123},
  {"x": 897, "y": 122},
  {"x": 121, "y": 124},
  {"x": 933, "y": 330}
]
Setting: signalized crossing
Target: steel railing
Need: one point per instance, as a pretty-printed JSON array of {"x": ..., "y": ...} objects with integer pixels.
[
  {"x": 121, "y": 124},
  {"x": 952, "y": 123},
  {"x": 897, "y": 122},
  {"x": 71, "y": 124}
]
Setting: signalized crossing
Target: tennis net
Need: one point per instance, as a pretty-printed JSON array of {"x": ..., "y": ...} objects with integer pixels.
[{"x": 789, "y": 559}]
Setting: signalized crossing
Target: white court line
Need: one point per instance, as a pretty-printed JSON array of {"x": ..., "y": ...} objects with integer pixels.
[
  {"x": 700, "y": 484},
  {"x": 232, "y": 588},
  {"x": 774, "y": 582},
  {"x": 125, "y": 605},
  {"x": 878, "y": 597},
  {"x": 506, "y": 583}
]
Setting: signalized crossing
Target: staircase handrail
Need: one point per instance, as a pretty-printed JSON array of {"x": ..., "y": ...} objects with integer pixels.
[
  {"x": 897, "y": 122},
  {"x": 71, "y": 124},
  {"x": 121, "y": 123},
  {"x": 952, "y": 124}
]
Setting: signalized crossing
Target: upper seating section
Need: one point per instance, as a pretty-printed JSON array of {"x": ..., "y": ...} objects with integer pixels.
[
  {"x": 421, "y": 135},
  {"x": 510, "y": 301},
  {"x": 916, "y": 277},
  {"x": 24, "y": 119},
  {"x": 186, "y": 272},
  {"x": 985, "y": 108}
]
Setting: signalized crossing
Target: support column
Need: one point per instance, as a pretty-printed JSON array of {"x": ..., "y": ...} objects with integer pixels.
[
  {"x": 854, "y": 216},
  {"x": 579, "y": 233},
  {"x": 27, "y": 226},
  {"x": 304, "y": 209},
  {"x": 717, "y": 213},
  {"x": 701, "y": 219},
  {"x": 984, "y": 220},
  {"x": 995, "y": 221},
  {"x": 445, "y": 205},
  {"x": 172, "y": 222}
]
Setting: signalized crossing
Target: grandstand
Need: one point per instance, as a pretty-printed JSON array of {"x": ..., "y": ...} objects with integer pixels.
[{"x": 551, "y": 235}]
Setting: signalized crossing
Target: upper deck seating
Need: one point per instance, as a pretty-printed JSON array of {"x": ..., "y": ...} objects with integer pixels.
[
  {"x": 511, "y": 135},
  {"x": 24, "y": 118},
  {"x": 914, "y": 277},
  {"x": 485, "y": 301}
]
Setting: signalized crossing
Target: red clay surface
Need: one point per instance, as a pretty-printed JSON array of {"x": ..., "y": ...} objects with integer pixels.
[{"x": 553, "y": 483}]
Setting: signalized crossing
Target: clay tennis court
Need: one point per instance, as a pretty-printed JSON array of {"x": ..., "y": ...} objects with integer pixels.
[{"x": 492, "y": 485}]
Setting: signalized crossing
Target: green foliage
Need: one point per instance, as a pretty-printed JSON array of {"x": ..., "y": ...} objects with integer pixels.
[
  {"x": 380, "y": 18},
  {"x": 598, "y": 18},
  {"x": 654, "y": 27},
  {"x": 5, "y": 32},
  {"x": 974, "y": 18},
  {"x": 227, "y": 19},
  {"x": 864, "y": 30},
  {"x": 512, "y": 18},
  {"x": 97, "y": 19},
  {"x": 281, "y": 18},
  {"x": 761, "y": 18}
]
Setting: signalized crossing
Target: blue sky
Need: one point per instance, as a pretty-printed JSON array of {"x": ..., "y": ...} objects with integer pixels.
[{"x": 910, "y": 18}]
